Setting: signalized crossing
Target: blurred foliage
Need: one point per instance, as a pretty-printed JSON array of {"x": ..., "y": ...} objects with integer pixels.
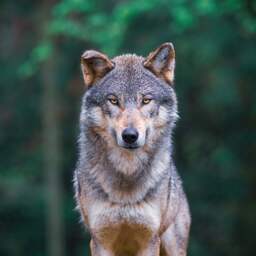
[{"x": 215, "y": 139}]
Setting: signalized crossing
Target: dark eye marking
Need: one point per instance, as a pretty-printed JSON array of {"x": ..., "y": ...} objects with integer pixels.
[
  {"x": 146, "y": 99},
  {"x": 113, "y": 100}
]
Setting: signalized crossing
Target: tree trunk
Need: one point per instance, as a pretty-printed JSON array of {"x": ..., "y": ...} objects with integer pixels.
[
  {"x": 52, "y": 157},
  {"x": 52, "y": 145}
]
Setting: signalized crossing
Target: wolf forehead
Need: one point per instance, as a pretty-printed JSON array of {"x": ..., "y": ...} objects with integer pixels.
[
  {"x": 128, "y": 62},
  {"x": 129, "y": 79},
  {"x": 129, "y": 73}
]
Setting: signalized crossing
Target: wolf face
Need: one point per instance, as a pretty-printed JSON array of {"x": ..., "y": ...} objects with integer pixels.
[{"x": 129, "y": 102}]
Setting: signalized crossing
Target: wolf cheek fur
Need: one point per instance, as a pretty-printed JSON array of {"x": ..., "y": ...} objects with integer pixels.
[{"x": 127, "y": 188}]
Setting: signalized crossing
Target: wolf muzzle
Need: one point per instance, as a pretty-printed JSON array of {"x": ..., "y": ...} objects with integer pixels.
[{"x": 130, "y": 135}]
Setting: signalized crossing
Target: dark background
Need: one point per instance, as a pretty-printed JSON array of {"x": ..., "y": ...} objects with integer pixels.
[{"x": 41, "y": 88}]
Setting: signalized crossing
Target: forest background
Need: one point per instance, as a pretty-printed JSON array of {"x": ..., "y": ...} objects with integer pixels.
[{"x": 40, "y": 95}]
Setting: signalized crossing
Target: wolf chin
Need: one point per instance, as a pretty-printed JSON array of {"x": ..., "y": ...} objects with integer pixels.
[{"x": 127, "y": 188}]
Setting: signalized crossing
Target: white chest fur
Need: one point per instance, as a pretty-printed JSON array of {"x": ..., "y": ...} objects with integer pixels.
[
  {"x": 104, "y": 213},
  {"x": 111, "y": 221}
]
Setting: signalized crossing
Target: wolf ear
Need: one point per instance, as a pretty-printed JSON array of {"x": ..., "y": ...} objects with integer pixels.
[
  {"x": 94, "y": 66},
  {"x": 162, "y": 62}
]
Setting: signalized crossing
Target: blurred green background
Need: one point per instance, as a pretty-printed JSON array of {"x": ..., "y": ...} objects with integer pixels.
[{"x": 41, "y": 88}]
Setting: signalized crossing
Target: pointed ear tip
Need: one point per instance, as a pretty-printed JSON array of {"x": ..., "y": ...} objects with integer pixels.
[
  {"x": 87, "y": 54},
  {"x": 92, "y": 54},
  {"x": 169, "y": 45}
]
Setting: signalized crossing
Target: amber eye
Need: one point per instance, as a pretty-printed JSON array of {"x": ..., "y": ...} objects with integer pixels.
[
  {"x": 113, "y": 101},
  {"x": 145, "y": 101}
]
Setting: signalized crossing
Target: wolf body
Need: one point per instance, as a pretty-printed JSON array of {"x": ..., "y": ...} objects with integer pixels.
[{"x": 126, "y": 185}]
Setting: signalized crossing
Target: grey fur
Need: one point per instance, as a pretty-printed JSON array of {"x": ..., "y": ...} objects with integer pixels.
[{"x": 104, "y": 177}]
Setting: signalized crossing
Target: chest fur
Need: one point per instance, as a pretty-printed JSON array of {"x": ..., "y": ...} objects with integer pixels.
[
  {"x": 131, "y": 225},
  {"x": 101, "y": 214}
]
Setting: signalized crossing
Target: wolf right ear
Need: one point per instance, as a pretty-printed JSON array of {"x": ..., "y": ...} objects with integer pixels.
[
  {"x": 162, "y": 62},
  {"x": 94, "y": 66}
]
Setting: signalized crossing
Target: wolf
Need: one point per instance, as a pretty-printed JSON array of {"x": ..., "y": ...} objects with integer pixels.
[{"x": 127, "y": 189}]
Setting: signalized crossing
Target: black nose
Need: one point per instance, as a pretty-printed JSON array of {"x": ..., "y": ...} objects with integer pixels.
[{"x": 130, "y": 135}]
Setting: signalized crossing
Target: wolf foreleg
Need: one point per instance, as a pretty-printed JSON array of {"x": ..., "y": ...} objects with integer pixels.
[
  {"x": 98, "y": 250},
  {"x": 174, "y": 240},
  {"x": 152, "y": 249}
]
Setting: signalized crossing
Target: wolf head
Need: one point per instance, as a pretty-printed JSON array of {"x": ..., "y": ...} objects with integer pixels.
[{"x": 130, "y": 103}]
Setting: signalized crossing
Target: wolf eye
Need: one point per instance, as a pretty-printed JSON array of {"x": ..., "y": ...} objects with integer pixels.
[
  {"x": 113, "y": 101},
  {"x": 145, "y": 101}
]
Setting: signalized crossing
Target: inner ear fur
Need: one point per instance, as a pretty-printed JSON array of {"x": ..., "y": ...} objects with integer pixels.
[
  {"x": 162, "y": 62},
  {"x": 95, "y": 65}
]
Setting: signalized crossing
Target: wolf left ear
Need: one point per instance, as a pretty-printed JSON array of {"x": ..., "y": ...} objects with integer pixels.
[
  {"x": 94, "y": 66},
  {"x": 162, "y": 62}
]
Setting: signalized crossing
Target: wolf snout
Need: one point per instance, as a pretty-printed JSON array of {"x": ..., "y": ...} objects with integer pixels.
[{"x": 130, "y": 135}]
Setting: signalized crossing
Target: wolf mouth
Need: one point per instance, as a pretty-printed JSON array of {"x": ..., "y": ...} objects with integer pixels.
[{"x": 131, "y": 147}]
